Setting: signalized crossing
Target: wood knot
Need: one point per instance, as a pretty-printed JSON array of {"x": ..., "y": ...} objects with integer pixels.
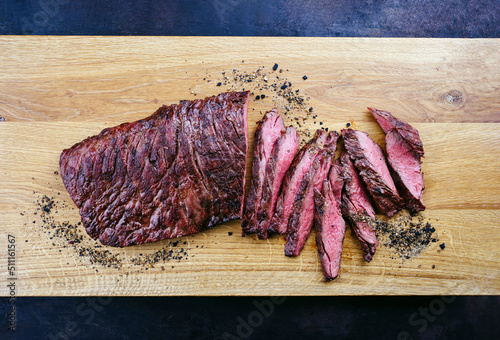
[{"x": 453, "y": 99}]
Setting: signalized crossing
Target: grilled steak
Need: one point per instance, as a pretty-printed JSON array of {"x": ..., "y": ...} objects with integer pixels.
[
  {"x": 330, "y": 226},
  {"x": 284, "y": 151},
  {"x": 404, "y": 151},
  {"x": 369, "y": 159},
  {"x": 274, "y": 150},
  {"x": 169, "y": 175},
  {"x": 268, "y": 131},
  {"x": 302, "y": 214},
  {"x": 357, "y": 208},
  {"x": 387, "y": 122},
  {"x": 336, "y": 178},
  {"x": 292, "y": 182}
]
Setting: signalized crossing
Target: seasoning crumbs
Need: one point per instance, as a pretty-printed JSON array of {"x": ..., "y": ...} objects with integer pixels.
[
  {"x": 408, "y": 235},
  {"x": 65, "y": 234}
]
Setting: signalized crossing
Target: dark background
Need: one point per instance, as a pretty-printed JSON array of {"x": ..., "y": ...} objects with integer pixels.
[
  {"x": 429, "y": 317},
  {"x": 343, "y": 18}
]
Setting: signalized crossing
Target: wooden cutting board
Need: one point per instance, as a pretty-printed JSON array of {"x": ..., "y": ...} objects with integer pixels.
[{"x": 56, "y": 91}]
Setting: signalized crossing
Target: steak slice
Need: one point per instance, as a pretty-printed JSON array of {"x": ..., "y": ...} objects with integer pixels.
[
  {"x": 269, "y": 130},
  {"x": 284, "y": 151},
  {"x": 404, "y": 151},
  {"x": 406, "y": 170},
  {"x": 357, "y": 208},
  {"x": 301, "y": 218},
  {"x": 330, "y": 226},
  {"x": 336, "y": 178},
  {"x": 169, "y": 175},
  {"x": 369, "y": 159},
  {"x": 292, "y": 181},
  {"x": 388, "y": 122}
]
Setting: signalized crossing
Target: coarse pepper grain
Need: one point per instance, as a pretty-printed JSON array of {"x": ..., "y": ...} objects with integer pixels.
[
  {"x": 66, "y": 235},
  {"x": 408, "y": 235},
  {"x": 289, "y": 101}
]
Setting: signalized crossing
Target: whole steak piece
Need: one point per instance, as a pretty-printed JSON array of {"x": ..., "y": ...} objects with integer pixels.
[
  {"x": 357, "y": 208},
  {"x": 169, "y": 175},
  {"x": 274, "y": 149},
  {"x": 404, "y": 152},
  {"x": 370, "y": 161}
]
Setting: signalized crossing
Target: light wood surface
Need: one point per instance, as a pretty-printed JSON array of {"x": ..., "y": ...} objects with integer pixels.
[{"x": 55, "y": 91}]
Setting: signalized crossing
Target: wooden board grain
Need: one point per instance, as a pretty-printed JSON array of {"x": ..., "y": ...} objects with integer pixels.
[{"x": 55, "y": 91}]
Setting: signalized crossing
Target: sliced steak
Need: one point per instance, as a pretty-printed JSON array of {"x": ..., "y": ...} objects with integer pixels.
[
  {"x": 336, "y": 178},
  {"x": 388, "y": 122},
  {"x": 284, "y": 151},
  {"x": 369, "y": 159},
  {"x": 169, "y": 175},
  {"x": 357, "y": 208},
  {"x": 269, "y": 130},
  {"x": 301, "y": 217},
  {"x": 292, "y": 181},
  {"x": 328, "y": 221},
  {"x": 404, "y": 151},
  {"x": 406, "y": 170}
]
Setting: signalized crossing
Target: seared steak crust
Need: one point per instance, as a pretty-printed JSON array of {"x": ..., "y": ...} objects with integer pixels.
[
  {"x": 356, "y": 207},
  {"x": 370, "y": 160},
  {"x": 169, "y": 175}
]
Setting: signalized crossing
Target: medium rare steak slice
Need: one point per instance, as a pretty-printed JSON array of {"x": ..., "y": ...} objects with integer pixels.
[
  {"x": 301, "y": 218},
  {"x": 357, "y": 208},
  {"x": 269, "y": 130},
  {"x": 292, "y": 181},
  {"x": 369, "y": 159},
  {"x": 284, "y": 151},
  {"x": 406, "y": 170},
  {"x": 169, "y": 175},
  {"x": 330, "y": 226},
  {"x": 387, "y": 122},
  {"x": 336, "y": 178},
  {"x": 404, "y": 151}
]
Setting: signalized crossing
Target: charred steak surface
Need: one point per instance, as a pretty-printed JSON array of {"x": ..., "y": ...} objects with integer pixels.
[
  {"x": 369, "y": 158},
  {"x": 172, "y": 174},
  {"x": 357, "y": 208}
]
